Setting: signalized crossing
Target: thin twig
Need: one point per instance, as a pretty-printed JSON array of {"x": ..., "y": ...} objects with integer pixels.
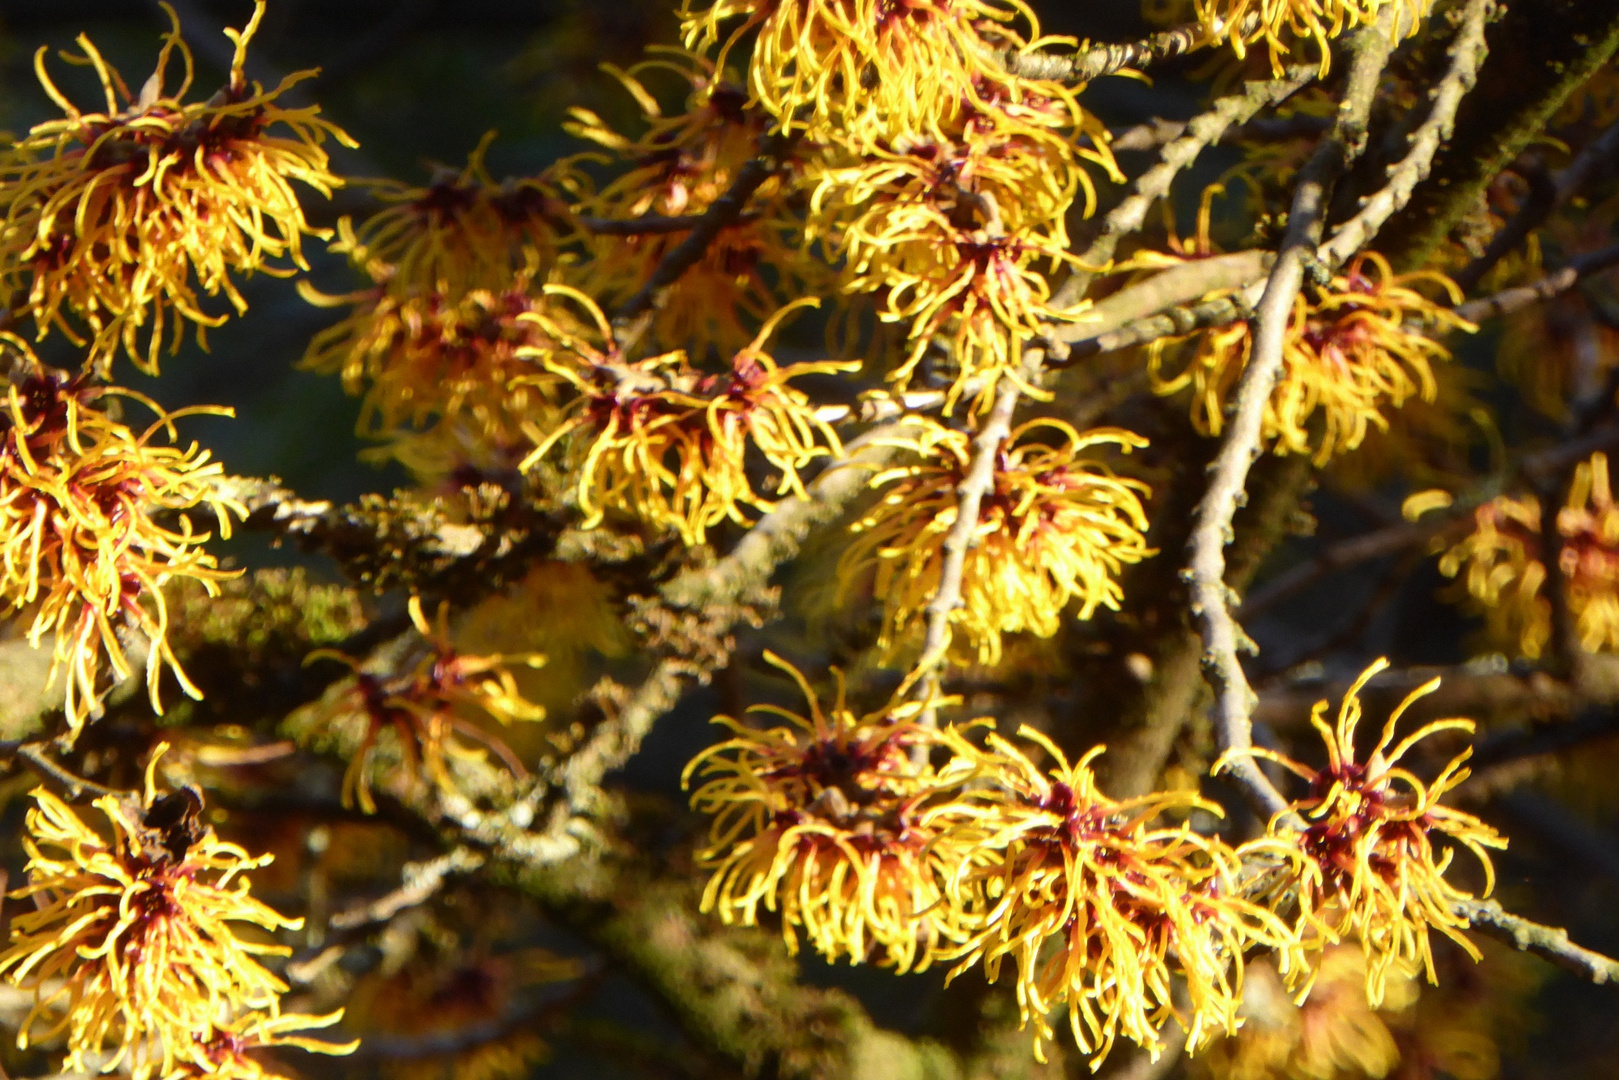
[
  {"x": 1552, "y": 285},
  {"x": 969, "y": 499},
  {"x": 1547, "y": 942},
  {"x": 1212, "y": 527},
  {"x": 1467, "y": 54},
  {"x": 717, "y": 589},
  {"x": 1602, "y": 152},
  {"x": 1094, "y": 61},
  {"x": 1534, "y": 469},
  {"x": 647, "y": 224},
  {"x": 76, "y": 786},
  {"x": 775, "y": 150},
  {"x": 420, "y": 881},
  {"x": 1154, "y": 133},
  {"x": 1341, "y": 556}
]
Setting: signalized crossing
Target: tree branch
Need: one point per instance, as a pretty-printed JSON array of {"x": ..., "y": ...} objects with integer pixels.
[
  {"x": 1466, "y": 54},
  {"x": 1094, "y": 61},
  {"x": 775, "y": 149},
  {"x": 1212, "y": 531},
  {"x": 1178, "y": 155},
  {"x": 1552, "y": 285},
  {"x": 471, "y": 538},
  {"x": 1547, "y": 942}
]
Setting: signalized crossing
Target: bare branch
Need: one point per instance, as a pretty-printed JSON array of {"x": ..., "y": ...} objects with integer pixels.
[
  {"x": 420, "y": 882},
  {"x": 1467, "y": 54},
  {"x": 1547, "y": 942},
  {"x": 775, "y": 150},
  {"x": 1534, "y": 469},
  {"x": 969, "y": 499},
  {"x": 647, "y": 224},
  {"x": 1552, "y": 285},
  {"x": 1094, "y": 61},
  {"x": 1211, "y": 531},
  {"x": 474, "y": 536},
  {"x": 1178, "y": 155},
  {"x": 716, "y": 593}
]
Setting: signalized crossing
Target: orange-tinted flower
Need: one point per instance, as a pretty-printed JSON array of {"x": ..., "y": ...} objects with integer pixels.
[
  {"x": 114, "y": 220},
  {"x": 1501, "y": 565},
  {"x": 227, "y": 1050},
  {"x": 435, "y": 358},
  {"x": 679, "y": 166},
  {"x": 430, "y": 707},
  {"x": 462, "y": 232}
]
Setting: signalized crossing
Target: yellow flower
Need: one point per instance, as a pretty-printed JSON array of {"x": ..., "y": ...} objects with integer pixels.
[
  {"x": 435, "y": 358},
  {"x": 1368, "y": 837},
  {"x": 430, "y": 707},
  {"x": 1502, "y": 567},
  {"x": 461, "y": 232},
  {"x": 80, "y": 543},
  {"x": 822, "y": 819},
  {"x": 108, "y": 216},
  {"x": 1348, "y": 355},
  {"x": 1279, "y": 22},
  {"x": 1055, "y": 528},
  {"x": 661, "y": 442},
  {"x": 1100, "y": 911},
  {"x": 226, "y": 1051},
  {"x": 679, "y": 166},
  {"x": 130, "y": 942}
]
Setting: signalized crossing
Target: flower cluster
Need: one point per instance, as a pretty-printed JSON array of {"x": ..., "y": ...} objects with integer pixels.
[
  {"x": 866, "y": 69},
  {"x": 880, "y": 836},
  {"x": 1054, "y": 529},
  {"x": 82, "y": 543},
  {"x": 432, "y": 707},
  {"x": 110, "y": 222},
  {"x": 432, "y": 362},
  {"x": 659, "y": 441},
  {"x": 130, "y": 949},
  {"x": 823, "y": 819},
  {"x": 1348, "y": 355},
  {"x": 1332, "y": 1032},
  {"x": 434, "y": 342},
  {"x": 939, "y": 176},
  {"x": 1368, "y": 840}
]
